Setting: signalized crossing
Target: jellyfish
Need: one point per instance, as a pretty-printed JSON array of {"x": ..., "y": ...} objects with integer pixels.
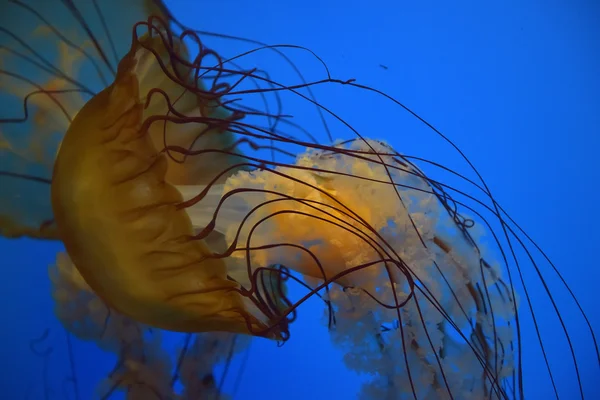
[
  {"x": 175, "y": 231},
  {"x": 410, "y": 293}
]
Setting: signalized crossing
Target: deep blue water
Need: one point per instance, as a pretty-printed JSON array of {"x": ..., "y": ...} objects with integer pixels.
[{"x": 514, "y": 85}]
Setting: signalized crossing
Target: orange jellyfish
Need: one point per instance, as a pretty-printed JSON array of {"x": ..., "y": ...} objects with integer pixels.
[
  {"x": 110, "y": 185},
  {"x": 410, "y": 292},
  {"x": 179, "y": 231}
]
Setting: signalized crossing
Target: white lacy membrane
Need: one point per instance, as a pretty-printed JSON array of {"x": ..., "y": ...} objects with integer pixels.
[
  {"x": 147, "y": 367},
  {"x": 358, "y": 318}
]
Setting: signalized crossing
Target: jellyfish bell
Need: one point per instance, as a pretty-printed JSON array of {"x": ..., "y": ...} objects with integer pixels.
[
  {"x": 119, "y": 219},
  {"x": 51, "y": 64},
  {"x": 46, "y": 82}
]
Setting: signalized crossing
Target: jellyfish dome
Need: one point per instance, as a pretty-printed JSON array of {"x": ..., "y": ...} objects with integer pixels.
[{"x": 111, "y": 184}]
